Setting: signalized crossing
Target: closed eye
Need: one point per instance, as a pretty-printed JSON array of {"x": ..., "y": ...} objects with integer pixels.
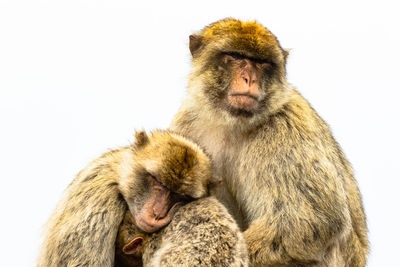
[
  {"x": 237, "y": 56},
  {"x": 234, "y": 55}
]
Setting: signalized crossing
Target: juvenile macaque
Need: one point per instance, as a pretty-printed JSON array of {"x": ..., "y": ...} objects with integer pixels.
[
  {"x": 201, "y": 233},
  {"x": 287, "y": 182},
  {"x": 129, "y": 244}
]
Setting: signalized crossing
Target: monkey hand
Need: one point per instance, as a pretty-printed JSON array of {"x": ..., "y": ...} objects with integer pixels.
[{"x": 268, "y": 245}]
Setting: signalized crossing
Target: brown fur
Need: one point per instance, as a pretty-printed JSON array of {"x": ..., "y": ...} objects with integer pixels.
[
  {"x": 287, "y": 182},
  {"x": 202, "y": 233},
  {"x": 126, "y": 232},
  {"x": 83, "y": 228}
]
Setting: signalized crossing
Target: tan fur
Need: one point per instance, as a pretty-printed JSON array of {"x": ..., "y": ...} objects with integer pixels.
[
  {"x": 178, "y": 163},
  {"x": 83, "y": 228},
  {"x": 202, "y": 233},
  {"x": 287, "y": 182}
]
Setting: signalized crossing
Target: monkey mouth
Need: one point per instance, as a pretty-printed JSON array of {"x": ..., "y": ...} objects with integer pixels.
[
  {"x": 150, "y": 224},
  {"x": 244, "y": 102}
]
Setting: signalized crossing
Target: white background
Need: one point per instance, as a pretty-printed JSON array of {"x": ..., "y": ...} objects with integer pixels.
[{"x": 77, "y": 77}]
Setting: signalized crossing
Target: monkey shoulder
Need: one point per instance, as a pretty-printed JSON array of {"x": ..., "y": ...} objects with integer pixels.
[
  {"x": 295, "y": 134},
  {"x": 91, "y": 210}
]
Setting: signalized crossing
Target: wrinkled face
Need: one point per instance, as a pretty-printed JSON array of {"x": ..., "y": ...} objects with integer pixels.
[
  {"x": 167, "y": 172},
  {"x": 243, "y": 93},
  {"x": 154, "y": 207},
  {"x": 239, "y": 66}
]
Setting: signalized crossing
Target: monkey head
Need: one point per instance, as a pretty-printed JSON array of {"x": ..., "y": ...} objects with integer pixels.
[
  {"x": 238, "y": 68},
  {"x": 130, "y": 242},
  {"x": 168, "y": 170}
]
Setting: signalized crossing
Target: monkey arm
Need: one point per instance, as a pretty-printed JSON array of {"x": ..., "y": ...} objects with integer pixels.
[
  {"x": 83, "y": 228},
  {"x": 306, "y": 212}
]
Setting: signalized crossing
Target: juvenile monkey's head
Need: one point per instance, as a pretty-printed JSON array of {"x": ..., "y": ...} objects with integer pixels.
[
  {"x": 168, "y": 170},
  {"x": 238, "y": 68}
]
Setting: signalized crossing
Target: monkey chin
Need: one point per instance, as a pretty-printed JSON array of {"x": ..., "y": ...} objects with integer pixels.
[
  {"x": 242, "y": 104},
  {"x": 150, "y": 224}
]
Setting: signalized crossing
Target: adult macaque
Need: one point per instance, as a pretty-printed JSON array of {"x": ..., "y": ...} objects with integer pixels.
[
  {"x": 151, "y": 178},
  {"x": 287, "y": 181}
]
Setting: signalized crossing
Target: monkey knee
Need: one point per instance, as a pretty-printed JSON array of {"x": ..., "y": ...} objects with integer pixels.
[{"x": 265, "y": 252}]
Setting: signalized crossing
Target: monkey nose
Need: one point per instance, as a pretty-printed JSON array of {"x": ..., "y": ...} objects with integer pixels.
[{"x": 248, "y": 79}]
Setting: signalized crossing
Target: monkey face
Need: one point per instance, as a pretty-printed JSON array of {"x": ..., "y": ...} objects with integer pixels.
[
  {"x": 155, "y": 205},
  {"x": 244, "y": 94},
  {"x": 240, "y": 66},
  {"x": 168, "y": 171}
]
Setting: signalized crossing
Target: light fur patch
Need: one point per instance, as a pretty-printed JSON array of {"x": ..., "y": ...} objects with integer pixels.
[
  {"x": 124, "y": 169},
  {"x": 151, "y": 165},
  {"x": 189, "y": 143},
  {"x": 156, "y": 261}
]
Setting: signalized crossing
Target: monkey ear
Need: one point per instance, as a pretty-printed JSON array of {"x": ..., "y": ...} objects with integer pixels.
[
  {"x": 141, "y": 139},
  {"x": 285, "y": 53},
  {"x": 133, "y": 246},
  {"x": 195, "y": 42}
]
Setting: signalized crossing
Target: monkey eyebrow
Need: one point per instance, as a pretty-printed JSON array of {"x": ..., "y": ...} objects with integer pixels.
[
  {"x": 263, "y": 61},
  {"x": 235, "y": 55},
  {"x": 238, "y": 55},
  {"x": 155, "y": 178}
]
